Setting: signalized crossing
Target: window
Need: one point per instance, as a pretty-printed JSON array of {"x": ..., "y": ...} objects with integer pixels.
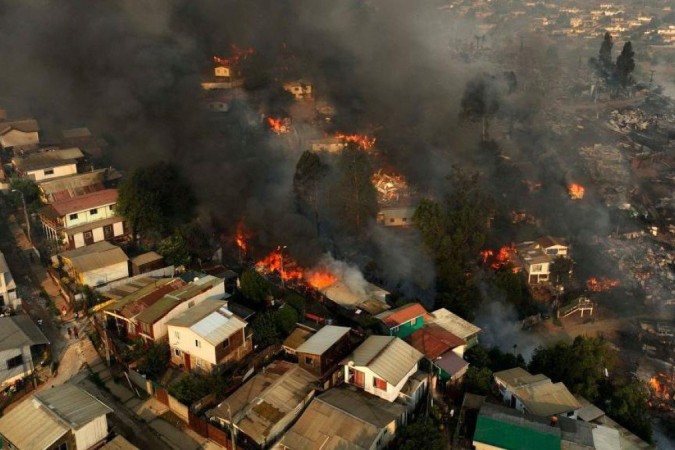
[
  {"x": 176, "y": 352},
  {"x": 176, "y": 334},
  {"x": 309, "y": 360},
  {"x": 93, "y": 211},
  {"x": 391, "y": 220},
  {"x": 379, "y": 383},
  {"x": 551, "y": 251},
  {"x": 49, "y": 171},
  {"x": 111, "y": 207},
  {"x": 405, "y": 219},
  {"x": 62, "y": 446},
  {"x": 198, "y": 343},
  {"x": 14, "y": 362},
  {"x": 73, "y": 216},
  {"x": 226, "y": 343},
  {"x": 536, "y": 268}
]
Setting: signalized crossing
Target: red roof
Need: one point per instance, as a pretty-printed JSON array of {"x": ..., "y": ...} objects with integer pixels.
[
  {"x": 402, "y": 314},
  {"x": 84, "y": 202},
  {"x": 141, "y": 304},
  {"x": 433, "y": 341}
]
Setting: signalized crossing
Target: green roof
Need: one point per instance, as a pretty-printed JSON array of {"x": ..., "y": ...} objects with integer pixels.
[{"x": 513, "y": 437}]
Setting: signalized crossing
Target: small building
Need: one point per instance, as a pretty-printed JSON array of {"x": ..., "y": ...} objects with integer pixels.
[
  {"x": 208, "y": 335},
  {"x": 266, "y": 405},
  {"x": 19, "y": 134},
  {"x": 19, "y": 337},
  {"x": 300, "y": 89},
  {"x": 535, "y": 257},
  {"x": 345, "y": 418},
  {"x": 327, "y": 144},
  {"x": 536, "y": 394},
  {"x": 84, "y": 220},
  {"x": 48, "y": 164},
  {"x": 497, "y": 429},
  {"x": 297, "y": 337},
  {"x": 396, "y": 216},
  {"x": 146, "y": 262},
  {"x": 94, "y": 265},
  {"x": 404, "y": 320},
  {"x": 119, "y": 443},
  {"x": 443, "y": 350},
  {"x": 371, "y": 298},
  {"x": 321, "y": 354},
  {"x": 8, "y": 296},
  {"x": 382, "y": 366},
  {"x": 455, "y": 325},
  {"x": 64, "y": 417}
]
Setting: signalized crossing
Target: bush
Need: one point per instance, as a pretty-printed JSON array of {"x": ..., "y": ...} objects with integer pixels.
[{"x": 286, "y": 319}]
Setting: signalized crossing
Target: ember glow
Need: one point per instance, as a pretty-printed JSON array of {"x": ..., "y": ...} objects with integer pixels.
[
  {"x": 279, "y": 126},
  {"x": 499, "y": 259},
  {"x": 390, "y": 187},
  {"x": 576, "y": 191},
  {"x": 662, "y": 389},
  {"x": 289, "y": 270},
  {"x": 601, "y": 284},
  {"x": 364, "y": 142},
  {"x": 241, "y": 237},
  {"x": 238, "y": 55}
]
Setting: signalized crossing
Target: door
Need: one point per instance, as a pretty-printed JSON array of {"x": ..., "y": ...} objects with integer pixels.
[
  {"x": 186, "y": 358},
  {"x": 359, "y": 378},
  {"x": 88, "y": 238},
  {"x": 108, "y": 232}
]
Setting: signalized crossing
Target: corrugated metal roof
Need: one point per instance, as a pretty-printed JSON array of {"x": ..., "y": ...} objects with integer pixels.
[
  {"x": 75, "y": 406},
  {"x": 218, "y": 326},
  {"x": 96, "y": 256},
  {"x": 25, "y": 125},
  {"x": 19, "y": 331},
  {"x": 146, "y": 258},
  {"x": 29, "y": 427},
  {"x": 324, "y": 339},
  {"x": 74, "y": 185},
  {"x": 387, "y": 356},
  {"x": 85, "y": 202},
  {"x": 266, "y": 399},
  {"x": 341, "y": 419},
  {"x": 434, "y": 340},
  {"x": 402, "y": 314},
  {"x": 296, "y": 338},
  {"x": 344, "y": 295},
  {"x": 547, "y": 399},
  {"x": 522, "y": 436},
  {"x": 196, "y": 313},
  {"x": 518, "y": 377},
  {"x": 119, "y": 443},
  {"x": 451, "y": 363},
  {"x": 453, "y": 323},
  {"x": 47, "y": 159}
]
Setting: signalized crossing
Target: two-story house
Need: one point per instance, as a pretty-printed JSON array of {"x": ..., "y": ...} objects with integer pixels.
[
  {"x": 64, "y": 417},
  {"x": 455, "y": 325},
  {"x": 535, "y": 394},
  {"x": 19, "y": 134},
  {"x": 44, "y": 165},
  {"x": 535, "y": 257},
  {"x": 84, "y": 220},
  {"x": 19, "y": 337},
  {"x": 382, "y": 366},
  {"x": 207, "y": 335},
  {"x": 443, "y": 351},
  {"x": 70, "y": 186},
  {"x": 300, "y": 89},
  {"x": 404, "y": 320},
  {"x": 8, "y": 297},
  {"x": 95, "y": 265},
  {"x": 321, "y": 353}
]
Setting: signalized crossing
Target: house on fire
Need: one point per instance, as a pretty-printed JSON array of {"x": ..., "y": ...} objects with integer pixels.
[
  {"x": 387, "y": 367},
  {"x": 65, "y": 417},
  {"x": 19, "y": 339},
  {"x": 300, "y": 89},
  {"x": 84, "y": 220},
  {"x": 44, "y": 165},
  {"x": 207, "y": 335},
  {"x": 369, "y": 297},
  {"x": 94, "y": 265},
  {"x": 535, "y": 394},
  {"x": 266, "y": 405},
  {"x": 345, "y": 418},
  {"x": 535, "y": 257},
  {"x": 19, "y": 134}
]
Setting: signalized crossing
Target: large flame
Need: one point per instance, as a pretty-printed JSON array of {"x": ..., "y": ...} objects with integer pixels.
[
  {"x": 364, "y": 142},
  {"x": 601, "y": 284},
  {"x": 241, "y": 237},
  {"x": 289, "y": 270},
  {"x": 278, "y": 126},
  {"x": 389, "y": 186},
  {"x": 576, "y": 191},
  {"x": 320, "y": 279},
  {"x": 499, "y": 259}
]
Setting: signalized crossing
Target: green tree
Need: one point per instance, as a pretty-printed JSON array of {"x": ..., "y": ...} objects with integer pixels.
[
  {"x": 422, "y": 434},
  {"x": 254, "y": 286},
  {"x": 265, "y": 332},
  {"x": 30, "y": 191},
  {"x": 493, "y": 358},
  {"x": 156, "y": 200},
  {"x": 298, "y": 302},
  {"x": 514, "y": 287},
  {"x": 477, "y": 381},
  {"x": 174, "y": 249},
  {"x": 580, "y": 365},
  {"x": 355, "y": 198},
  {"x": 480, "y": 102},
  {"x": 625, "y": 64},
  {"x": 155, "y": 360},
  {"x": 628, "y": 406},
  {"x": 286, "y": 318},
  {"x": 310, "y": 173}
]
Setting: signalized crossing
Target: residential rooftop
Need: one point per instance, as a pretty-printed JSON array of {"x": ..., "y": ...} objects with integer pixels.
[
  {"x": 84, "y": 202},
  {"x": 454, "y": 324},
  {"x": 388, "y": 357},
  {"x": 323, "y": 339},
  {"x": 398, "y": 316},
  {"x": 19, "y": 331},
  {"x": 96, "y": 256},
  {"x": 210, "y": 320}
]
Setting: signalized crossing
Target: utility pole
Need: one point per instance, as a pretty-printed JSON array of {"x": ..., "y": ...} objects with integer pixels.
[{"x": 25, "y": 212}]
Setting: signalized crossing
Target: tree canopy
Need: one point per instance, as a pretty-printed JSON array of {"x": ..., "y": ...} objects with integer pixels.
[
  {"x": 354, "y": 196},
  {"x": 254, "y": 286},
  {"x": 423, "y": 434},
  {"x": 605, "y": 54},
  {"x": 625, "y": 64},
  {"x": 307, "y": 181},
  {"x": 480, "y": 102},
  {"x": 156, "y": 199}
]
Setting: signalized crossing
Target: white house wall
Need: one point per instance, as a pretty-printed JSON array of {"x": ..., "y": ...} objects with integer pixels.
[
  {"x": 16, "y": 138},
  {"x": 24, "y": 369},
  {"x": 91, "y": 433},
  {"x": 185, "y": 342},
  {"x": 118, "y": 228},
  {"x": 107, "y": 274},
  {"x": 391, "y": 393},
  {"x": 60, "y": 171},
  {"x": 83, "y": 217}
]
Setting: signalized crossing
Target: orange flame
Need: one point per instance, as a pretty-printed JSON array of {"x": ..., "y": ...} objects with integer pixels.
[
  {"x": 500, "y": 259},
  {"x": 320, "y": 279},
  {"x": 279, "y": 126},
  {"x": 289, "y": 270},
  {"x": 238, "y": 55},
  {"x": 241, "y": 236},
  {"x": 601, "y": 284},
  {"x": 364, "y": 142},
  {"x": 576, "y": 191}
]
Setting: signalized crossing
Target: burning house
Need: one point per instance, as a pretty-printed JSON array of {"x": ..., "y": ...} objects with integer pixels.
[
  {"x": 535, "y": 257},
  {"x": 300, "y": 89}
]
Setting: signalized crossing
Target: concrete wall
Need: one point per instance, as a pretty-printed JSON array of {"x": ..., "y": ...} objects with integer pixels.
[
  {"x": 60, "y": 171},
  {"x": 8, "y": 376},
  {"x": 102, "y": 212},
  {"x": 179, "y": 409},
  {"x": 104, "y": 275},
  {"x": 91, "y": 433}
]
